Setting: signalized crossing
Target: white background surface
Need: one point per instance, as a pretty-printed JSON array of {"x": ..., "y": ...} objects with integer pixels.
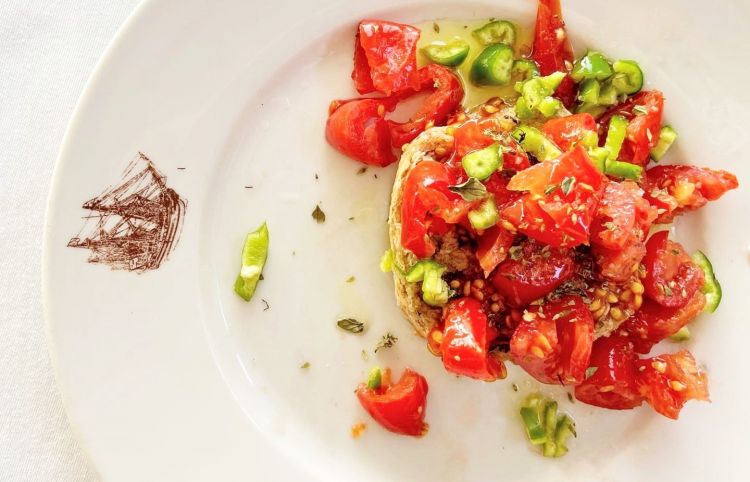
[{"x": 48, "y": 49}]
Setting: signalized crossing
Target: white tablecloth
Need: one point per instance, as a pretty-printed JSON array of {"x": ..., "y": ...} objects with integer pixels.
[{"x": 48, "y": 49}]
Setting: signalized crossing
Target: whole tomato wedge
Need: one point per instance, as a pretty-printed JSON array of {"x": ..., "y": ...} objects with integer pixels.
[
  {"x": 567, "y": 131},
  {"x": 560, "y": 201},
  {"x": 654, "y": 322},
  {"x": 644, "y": 124},
  {"x": 553, "y": 342},
  {"x": 612, "y": 380},
  {"x": 399, "y": 407},
  {"x": 667, "y": 382},
  {"x": 358, "y": 129},
  {"x": 552, "y": 49},
  {"x": 674, "y": 190},
  {"x": 492, "y": 248},
  {"x": 385, "y": 57},
  {"x": 466, "y": 339},
  {"x": 671, "y": 277},
  {"x": 476, "y": 134},
  {"x": 532, "y": 272}
]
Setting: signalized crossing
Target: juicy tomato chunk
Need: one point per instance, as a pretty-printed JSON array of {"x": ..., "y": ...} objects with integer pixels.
[
  {"x": 466, "y": 339},
  {"x": 358, "y": 129},
  {"x": 426, "y": 197},
  {"x": 612, "y": 382},
  {"x": 560, "y": 201},
  {"x": 619, "y": 228},
  {"x": 667, "y": 382},
  {"x": 492, "y": 248},
  {"x": 476, "y": 134},
  {"x": 445, "y": 97},
  {"x": 385, "y": 57},
  {"x": 643, "y": 112},
  {"x": 674, "y": 190},
  {"x": 552, "y": 49},
  {"x": 671, "y": 277},
  {"x": 497, "y": 185},
  {"x": 398, "y": 407},
  {"x": 654, "y": 322},
  {"x": 553, "y": 342},
  {"x": 567, "y": 131},
  {"x": 532, "y": 272}
]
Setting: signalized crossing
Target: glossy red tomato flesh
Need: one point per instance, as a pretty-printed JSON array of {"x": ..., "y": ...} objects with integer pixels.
[
  {"x": 671, "y": 277},
  {"x": 552, "y": 49},
  {"x": 385, "y": 57},
  {"x": 400, "y": 407},
  {"x": 667, "y": 382},
  {"x": 553, "y": 341},
  {"x": 613, "y": 381},
  {"x": 466, "y": 339},
  {"x": 474, "y": 135},
  {"x": 358, "y": 129},
  {"x": 643, "y": 112},
  {"x": 567, "y": 131},
  {"x": 492, "y": 248}
]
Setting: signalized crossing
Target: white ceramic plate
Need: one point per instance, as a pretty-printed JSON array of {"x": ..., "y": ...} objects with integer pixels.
[{"x": 167, "y": 375}]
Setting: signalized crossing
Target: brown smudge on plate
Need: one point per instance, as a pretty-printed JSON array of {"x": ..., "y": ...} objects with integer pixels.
[{"x": 134, "y": 225}]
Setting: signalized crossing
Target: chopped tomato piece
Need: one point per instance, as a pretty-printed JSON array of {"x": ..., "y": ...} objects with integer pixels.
[
  {"x": 567, "y": 131},
  {"x": 398, "y": 407},
  {"x": 667, "y": 382},
  {"x": 476, "y": 134},
  {"x": 553, "y": 342},
  {"x": 654, "y": 322},
  {"x": 497, "y": 185},
  {"x": 611, "y": 382},
  {"x": 466, "y": 339},
  {"x": 552, "y": 49},
  {"x": 678, "y": 189},
  {"x": 492, "y": 248},
  {"x": 532, "y": 272},
  {"x": 643, "y": 112},
  {"x": 385, "y": 57},
  {"x": 358, "y": 129},
  {"x": 561, "y": 199},
  {"x": 671, "y": 276}
]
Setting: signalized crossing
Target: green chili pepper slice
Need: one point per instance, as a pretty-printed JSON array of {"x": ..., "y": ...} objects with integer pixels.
[
  {"x": 550, "y": 425},
  {"x": 608, "y": 95},
  {"x": 493, "y": 66},
  {"x": 435, "y": 290},
  {"x": 482, "y": 163},
  {"x": 533, "y": 141},
  {"x": 599, "y": 157},
  {"x": 536, "y": 94},
  {"x": 683, "y": 334},
  {"x": 594, "y": 109},
  {"x": 450, "y": 55},
  {"x": 711, "y": 287},
  {"x": 532, "y": 413},
  {"x": 593, "y": 65},
  {"x": 623, "y": 170},
  {"x": 545, "y": 427},
  {"x": 564, "y": 429},
  {"x": 588, "y": 91},
  {"x": 374, "y": 379},
  {"x": 498, "y": 31},
  {"x": 254, "y": 254},
  {"x": 618, "y": 126},
  {"x": 485, "y": 216},
  {"x": 628, "y": 77},
  {"x": 589, "y": 139},
  {"x": 524, "y": 69},
  {"x": 667, "y": 136}
]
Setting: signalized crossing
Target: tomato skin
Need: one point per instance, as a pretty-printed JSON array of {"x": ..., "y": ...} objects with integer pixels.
[
  {"x": 671, "y": 277},
  {"x": 614, "y": 360},
  {"x": 357, "y": 129},
  {"x": 553, "y": 52},
  {"x": 536, "y": 273},
  {"x": 654, "y": 322},
  {"x": 678, "y": 189},
  {"x": 668, "y": 381},
  {"x": 492, "y": 248},
  {"x": 466, "y": 338},
  {"x": 567, "y": 131},
  {"x": 385, "y": 57},
  {"x": 643, "y": 129},
  {"x": 555, "y": 346},
  {"x": 399, "y": 408}
]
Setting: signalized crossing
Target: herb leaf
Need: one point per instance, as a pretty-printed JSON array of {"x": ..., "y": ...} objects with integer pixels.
[
  {"x": 590, "y": 372},
  {"x": 362, "y": 170},
  {"x": 388, "y": 340},
  {"x": 471, "y": 190},
  {"x": 435, "y": 27},
  {"x": 550, "y": 189},
  {"x": 351, "y": 325},
  {"x": 567, "y": 185},
  {"x": 318, "y": 214},
  {"x": 305, "y": 365},
  {"x": 351, "y": 279}
]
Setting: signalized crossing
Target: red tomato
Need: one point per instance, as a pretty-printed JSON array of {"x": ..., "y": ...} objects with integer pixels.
[
  {"x": 562, "y": 198},
  {"x": 358, "y": 129},
  {"x": 653, "y": 322},
  {"x": 671, "y": 277},
  {"x": 613, "y": 383},
  {"x": 552, "y": 49},
  {"x": 497, "y": 184},
  {"x": 643, "y": 128},
  {"x": 678, "y": 189},
  {"x": 426, "y": 198},
  {"x": 553, "y": 342},
  {"x": 567, "y": 131},
  {"x": 466, "y": 341},
  {"x": 385, "y": 57},
  {"x": 619, "y": 229},
  {"x": 492, "y": 248},
  {"x": 667, "y": 382},
  {"x": 472, "y": 135},
  {"x": 399, "y": 408},
  {"x": 533, "y": 273},
  {"x": 445, "y": 98}
]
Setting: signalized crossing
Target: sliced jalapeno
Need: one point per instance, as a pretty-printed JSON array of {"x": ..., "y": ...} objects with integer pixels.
[
  {"x": 374, "y": 378},
  {"x": 482, "y": 163},
  {"x": 533, "y": 141},
  {"x": 628, "y": 77},
  {"x": 624, "y": 170},
  {"x": 683, "y": 334},
  {"x": 608, "y": 95},
  {"x": 524, "y": 69},
  {"x": 667, "y": 136},
  {"x": 435, "y": 290},
  {"x": 499, "y": 31},
  {"x": 598, "y": 156},
  {"x": 493, "y": 66},
  {"x": 254, "y": 254},
  {"x": 711, "y": 287},
  {"x": 536, "y": 95},
  {"x": 593, "y": 65},
  {"x": 451, "y": 55},
  {"x": 485, "y": 216},
  {"x": 588, "y": 92},
  {"x": 615, "y": 136}
]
